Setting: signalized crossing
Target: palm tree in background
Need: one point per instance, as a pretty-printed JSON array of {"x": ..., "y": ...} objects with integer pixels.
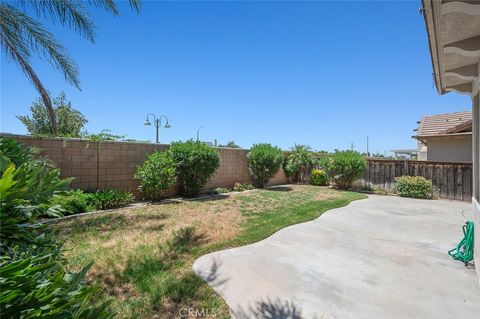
[{"x": 22, "y": 36}]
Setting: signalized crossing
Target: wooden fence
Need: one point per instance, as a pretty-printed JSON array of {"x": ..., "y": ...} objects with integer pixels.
[{"x": 450, "y": 180}]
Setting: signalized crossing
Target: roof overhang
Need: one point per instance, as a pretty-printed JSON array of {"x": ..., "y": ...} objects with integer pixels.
[
  {"x": 421, "y": 137},
  {"x": 453, "y": 28}
]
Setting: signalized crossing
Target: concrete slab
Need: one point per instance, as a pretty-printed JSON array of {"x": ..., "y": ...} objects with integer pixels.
[{"x": 382, "y": 257}]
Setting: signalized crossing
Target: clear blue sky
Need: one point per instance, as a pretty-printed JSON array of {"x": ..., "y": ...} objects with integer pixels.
[{"x": 326, "y": 74}]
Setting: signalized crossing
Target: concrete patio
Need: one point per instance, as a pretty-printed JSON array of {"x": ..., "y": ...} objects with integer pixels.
[{"x": 382, "y": 257}]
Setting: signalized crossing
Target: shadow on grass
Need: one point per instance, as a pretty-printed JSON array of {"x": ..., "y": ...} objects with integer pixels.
[
  {"x": 109, "y": 222},
  {"x": 152, "y": 269},
  {"x": 280, "y": 189}
]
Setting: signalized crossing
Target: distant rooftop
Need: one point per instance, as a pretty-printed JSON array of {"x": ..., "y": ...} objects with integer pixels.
[{"x": 459, "y": 123}]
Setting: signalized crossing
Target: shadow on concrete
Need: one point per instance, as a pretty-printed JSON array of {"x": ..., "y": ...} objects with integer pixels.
[
  {"x": 270, "y": 309},
  {"x": 212, "y": 276}
]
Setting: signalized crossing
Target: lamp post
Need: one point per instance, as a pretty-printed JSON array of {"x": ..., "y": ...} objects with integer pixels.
[{"x": 157, "y": 122}]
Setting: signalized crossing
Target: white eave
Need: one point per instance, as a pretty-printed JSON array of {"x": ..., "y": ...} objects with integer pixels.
[{"x": 453, "y": 28}]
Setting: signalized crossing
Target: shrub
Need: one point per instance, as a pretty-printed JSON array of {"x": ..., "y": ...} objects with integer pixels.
[
  {"x": 34, "y": 281},
  {"x": 156, "y": 175},
  {"x": 264, "y": 162},
  {"x": 414, "y": 186},
  {"x": 74, "y": 202},
  {"x": 318, "y": 177},
  {"x": 299, "y": 162},
  {"x": 112, "y": 198},
  {"x": 239, "y": 187},
  {"x": 343, "y": 167},
  {"x": 195, "y": 163},
  {"x": 220, "y": 190}
]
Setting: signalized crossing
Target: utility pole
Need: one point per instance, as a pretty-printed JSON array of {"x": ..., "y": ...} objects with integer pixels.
[
  {"x": 351, "y": 146},
  {"x": 368, "y": 153}
]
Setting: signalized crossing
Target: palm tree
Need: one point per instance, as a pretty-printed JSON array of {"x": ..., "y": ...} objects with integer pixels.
[{"x": 21, "y": 36}]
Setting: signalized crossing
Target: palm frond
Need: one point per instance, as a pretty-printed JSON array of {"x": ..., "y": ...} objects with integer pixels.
[
  {"x": 24, "y": 33},
  {"x": 68, "y": 13}
]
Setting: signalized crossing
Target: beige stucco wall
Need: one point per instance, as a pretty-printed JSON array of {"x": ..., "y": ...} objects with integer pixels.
[
  {"x": 450, "y": 149},
  {"x": 421, "y": 151}
]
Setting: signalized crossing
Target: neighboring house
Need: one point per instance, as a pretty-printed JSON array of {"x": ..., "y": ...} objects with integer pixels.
[
  {"x": 453, "y": 29},
  {"x": 410, "y": 154},
  {"x": 445, "y": 137}
]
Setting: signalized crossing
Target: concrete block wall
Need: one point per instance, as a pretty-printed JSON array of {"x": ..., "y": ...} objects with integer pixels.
[{"x": 112, "y": 164}]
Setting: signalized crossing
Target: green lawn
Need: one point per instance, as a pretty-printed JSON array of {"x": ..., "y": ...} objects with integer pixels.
[{"x": 143, "y": 256}]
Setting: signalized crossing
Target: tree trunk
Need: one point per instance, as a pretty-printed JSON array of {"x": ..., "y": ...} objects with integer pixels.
[{"x": 36, "y": 82}]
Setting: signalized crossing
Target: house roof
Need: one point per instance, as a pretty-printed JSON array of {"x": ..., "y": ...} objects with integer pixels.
[{"x": 455, "y": 123}]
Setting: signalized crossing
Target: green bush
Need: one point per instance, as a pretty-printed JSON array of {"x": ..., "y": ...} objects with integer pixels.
[
  {"x": 343, "y": 167},
  {"x": 265, "y": 161},
  {"x": 38, "y": 286},
  {"x": 156, "y": 175},
  {"x": 220, "y": 190},
  {"x": 74, "y": 202},
  {"x": 318, "y": 177},
  {"x": 112, "y": 198},
  {"x": 239, "y": 187},
  {"x": 414, "y": 186},
  {"x": 195, "y": 163},
  {"x": 34, "y": 281}
]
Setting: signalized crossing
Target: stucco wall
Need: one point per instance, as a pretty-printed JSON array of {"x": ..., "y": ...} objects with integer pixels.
[
  {"x": 113, "y": 164},
  {"x": 450, "y": 149}
]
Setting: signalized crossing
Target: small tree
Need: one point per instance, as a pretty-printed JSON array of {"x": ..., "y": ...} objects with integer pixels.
[
  {"x": 344, "y": 167},
  {"x": 265, "y": 161},
  {"x": 299, "y": 162},
  {"x": 195, "y": 163},
  {"x": 69, "y": 121},
  {"x": 230, "y": 144},
  {"x": 156, "y": 175}
]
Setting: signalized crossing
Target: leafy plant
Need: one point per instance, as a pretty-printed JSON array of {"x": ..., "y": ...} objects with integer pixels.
[
  {"x": 156, "y": 175},
  {"x": 414, "y": 186},
  {"x": 239, "y": 187},
  {"x": 74, "y": 202},
  {"x": 220, "y": 190},
  {"x": 69, "y": 120},
  {"x": 299, "y": 162},
  {"x": 34, "y": 281},
  {"x": 343, "y": 167},
  {"x": 318, "y": 177},
  {"x": 265, "y": 161},
  {"x": 195, "y": 163},
  {"x": 38, "y": 286},
  {"x": 17, "y": 153},
  {"x": 112, "y": 198}
]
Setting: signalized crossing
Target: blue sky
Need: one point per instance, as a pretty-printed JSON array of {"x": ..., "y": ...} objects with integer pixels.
[{"x": 325, "y": 74}]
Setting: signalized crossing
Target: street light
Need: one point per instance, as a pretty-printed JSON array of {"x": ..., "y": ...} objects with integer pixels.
[{"x": 157, "y": 123}]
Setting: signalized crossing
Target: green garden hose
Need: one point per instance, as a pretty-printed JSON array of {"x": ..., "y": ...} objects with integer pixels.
[{"x": 464, "y": 249}]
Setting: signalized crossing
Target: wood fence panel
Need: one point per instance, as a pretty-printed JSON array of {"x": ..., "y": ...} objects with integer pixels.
[{"x": 450, "y": 180}]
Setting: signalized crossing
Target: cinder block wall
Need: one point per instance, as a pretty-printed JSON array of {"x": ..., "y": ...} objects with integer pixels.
[{"x": 112, "y": 164}]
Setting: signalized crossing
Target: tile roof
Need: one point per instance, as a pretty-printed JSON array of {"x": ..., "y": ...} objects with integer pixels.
[{"x": 443, "y": 124}]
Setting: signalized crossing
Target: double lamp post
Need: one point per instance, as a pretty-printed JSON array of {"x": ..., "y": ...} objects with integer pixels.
[{"x": 157, "y": 122}]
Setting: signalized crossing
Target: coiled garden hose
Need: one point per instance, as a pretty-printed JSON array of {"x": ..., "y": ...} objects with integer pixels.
[{"x": 464, "y": 249}]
